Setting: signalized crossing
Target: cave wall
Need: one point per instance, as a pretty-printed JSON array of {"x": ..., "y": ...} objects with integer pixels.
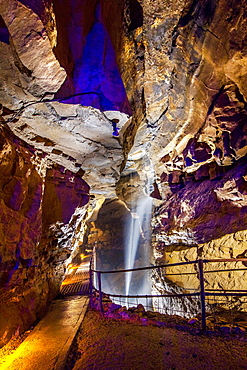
[
  {"x": 193, "y": 67},
  {"x": 187, "y": 79},
  {"x": 50, "y": 150},
  {"x": 182, "y": 64},
  {"x": 203, "y": 166},
  {"x": 88, "y": 45},
  {"x": 38, "y": 232}
]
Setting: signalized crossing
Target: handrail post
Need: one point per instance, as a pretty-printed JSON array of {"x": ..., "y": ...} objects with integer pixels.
[
  {"x": 90, "y": 285},
  {"x": 100, "y": 292},
  {"x": 202, "y": 294}
]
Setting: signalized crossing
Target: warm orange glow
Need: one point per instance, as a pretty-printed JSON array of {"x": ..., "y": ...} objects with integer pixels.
[
  {"x": 74, "y": 267},
  {"x": 7, "y": 363},
  {"x": 18, "y": 354},
  {"x": 65, "y": 282}
]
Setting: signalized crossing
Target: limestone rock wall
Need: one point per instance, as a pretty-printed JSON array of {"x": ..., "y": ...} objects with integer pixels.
[
  {"x": 52, "y": 152},
  {"x": 183, "y": 66},
  {"x": 39, "y": 232},
  {"x": 193, "y": 65},
  {"x": 190, "y": 139},
  {"x": 185, "y": 278},
  {"x": 35, "y": 87},
  {"x": 40, "y": 72},
  {"x": 204, "y": 209}
]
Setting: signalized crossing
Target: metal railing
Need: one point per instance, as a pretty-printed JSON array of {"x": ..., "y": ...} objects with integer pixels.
[{"x": 202, "y": 293}]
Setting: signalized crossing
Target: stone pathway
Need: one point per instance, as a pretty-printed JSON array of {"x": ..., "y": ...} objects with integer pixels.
[
  {"x": 76, "y": 282},
  {"x": 47, "y": 345}
]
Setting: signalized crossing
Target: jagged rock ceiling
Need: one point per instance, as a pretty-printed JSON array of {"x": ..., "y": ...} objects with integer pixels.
[
  {"x": 71, "y": 135},
  {"x": 173, "y": 73},
  {"x": 78, "y": 138}
]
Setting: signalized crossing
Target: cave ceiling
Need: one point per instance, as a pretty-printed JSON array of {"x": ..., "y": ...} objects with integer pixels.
[
  {"x": 100, "y": 101},
  {"x": 171, "y": 74},
  {"x": 67, "y": 116}
]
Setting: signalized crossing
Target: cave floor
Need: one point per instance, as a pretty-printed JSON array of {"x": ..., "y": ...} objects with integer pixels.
[
  {"x": 46, "y": 347},
  {"x": 108, "y": 344}
]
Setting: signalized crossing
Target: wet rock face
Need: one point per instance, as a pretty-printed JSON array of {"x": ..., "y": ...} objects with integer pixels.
[
  {"x": 64, "y": 148},
  {"x": 38, "y": 235},
  {"x": 191, "y": 142},
  {"x": 108, "y": 234},
  {"x": 204, "y": 210},
  {"x": 183, "y": 65}
]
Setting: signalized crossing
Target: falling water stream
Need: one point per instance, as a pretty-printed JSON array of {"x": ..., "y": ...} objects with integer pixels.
[
  {"x": 137, "y": 247},
  {"x": 136, "y": 253},
  {"x": 139, "y": 228}
]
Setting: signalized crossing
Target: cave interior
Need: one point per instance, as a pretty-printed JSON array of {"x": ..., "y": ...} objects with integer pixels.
[{"x": 108, "y": 107}]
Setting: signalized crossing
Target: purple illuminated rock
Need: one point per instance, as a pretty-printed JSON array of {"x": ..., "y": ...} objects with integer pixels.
[
  {"x": 96, "y": 78},
  {"x": 36, "y": 232},
  {"x": 34, "y": 55}
]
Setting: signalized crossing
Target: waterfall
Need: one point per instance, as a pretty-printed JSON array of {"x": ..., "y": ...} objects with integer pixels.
[
  {"x": 138, "y": 246},
  {"x": 134, "y": 250}
]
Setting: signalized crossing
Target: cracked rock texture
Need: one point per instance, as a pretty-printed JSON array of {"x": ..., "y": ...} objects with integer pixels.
[
  {"x": 201, "y": 170},
  {"x": 34, "y": 255},
  {"x": 190, "y": 141},
  {"x": 52, "y": 152},
  {"x": 180, "y": 137}
]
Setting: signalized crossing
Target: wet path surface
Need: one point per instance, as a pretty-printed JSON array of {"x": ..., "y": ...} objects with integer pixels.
[
  {"x": 76, "y": 282},
  {"x": 47, "y": 345}
]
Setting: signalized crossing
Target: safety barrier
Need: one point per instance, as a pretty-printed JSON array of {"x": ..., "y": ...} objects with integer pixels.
[{"x": 209, "y": 298}]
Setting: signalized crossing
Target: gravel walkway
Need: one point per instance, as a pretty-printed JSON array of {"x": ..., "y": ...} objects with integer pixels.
[{"x": 105, "y": 344}]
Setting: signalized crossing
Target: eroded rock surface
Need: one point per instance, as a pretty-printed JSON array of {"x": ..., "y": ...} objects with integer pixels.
[
  {"x": 40, "y": 71},
  {"x": 191, "y": 143},
  {"x": 53, "y": 151},
  {"x": 183, "y": 65},
  {"x": 34, "y": 255}
]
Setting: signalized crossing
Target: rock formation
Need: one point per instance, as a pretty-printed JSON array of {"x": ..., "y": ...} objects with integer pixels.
[{"x": 161, "y": 101}]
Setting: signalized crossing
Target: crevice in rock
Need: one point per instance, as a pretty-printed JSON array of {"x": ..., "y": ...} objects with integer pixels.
[
  {"x": 154, "y": 124},
  {"x": 93, "y": 57},
  {"x": 203, "y": 11},
  {"x": 22, "y": 68},
  {"x": 4, "y": 32},
  {"x": 135, "y": 14}
]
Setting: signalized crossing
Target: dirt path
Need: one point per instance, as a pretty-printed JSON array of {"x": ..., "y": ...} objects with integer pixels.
[
  {"x": 105, "y": 344},
  {"x": 47, "y": 345}
]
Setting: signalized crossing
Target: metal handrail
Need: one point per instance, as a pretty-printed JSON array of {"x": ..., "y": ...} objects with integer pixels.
[
  {"x": 178, "y": 295},
  {"x": 202, "y": 292},
  {"x": 172, "y": 265}
]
